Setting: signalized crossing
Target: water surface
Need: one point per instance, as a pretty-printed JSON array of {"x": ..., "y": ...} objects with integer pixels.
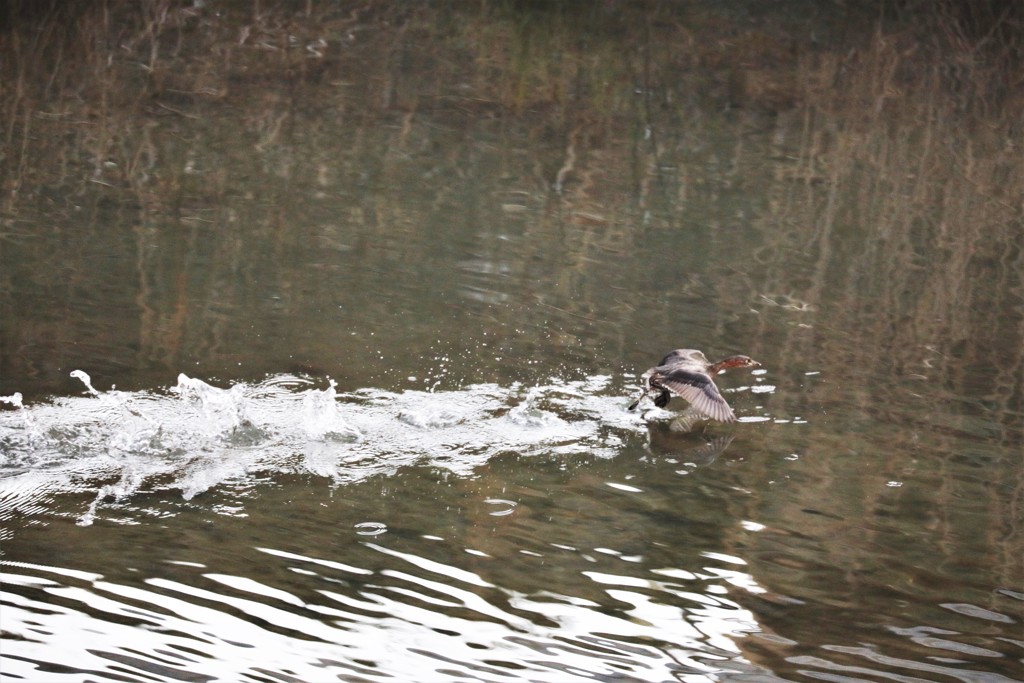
[{"x": 315, "y": 359}]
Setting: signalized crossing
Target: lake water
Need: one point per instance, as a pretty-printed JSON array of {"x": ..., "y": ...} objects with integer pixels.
[{"x": 320, "y": 324}]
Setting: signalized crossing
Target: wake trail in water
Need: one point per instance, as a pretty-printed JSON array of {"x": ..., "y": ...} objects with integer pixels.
[{"x": 195, "y": 436}]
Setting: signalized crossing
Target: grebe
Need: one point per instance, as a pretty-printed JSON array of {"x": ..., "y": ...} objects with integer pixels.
[{"x": 687, "y": 373}]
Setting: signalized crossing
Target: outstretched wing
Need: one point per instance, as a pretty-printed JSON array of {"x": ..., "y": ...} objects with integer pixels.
[{"x": 699, "y": 390}]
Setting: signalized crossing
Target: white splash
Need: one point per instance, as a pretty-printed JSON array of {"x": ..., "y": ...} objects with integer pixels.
[{"x": 195, "y": 436}]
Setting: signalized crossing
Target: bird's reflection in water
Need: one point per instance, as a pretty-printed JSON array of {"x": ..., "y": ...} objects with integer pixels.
[{"x": 684, "y": 438}]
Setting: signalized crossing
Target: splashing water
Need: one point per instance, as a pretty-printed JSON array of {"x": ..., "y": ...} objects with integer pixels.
[
  {"x": 195, "y": 436},
  {"x": 14, "y": 400}
]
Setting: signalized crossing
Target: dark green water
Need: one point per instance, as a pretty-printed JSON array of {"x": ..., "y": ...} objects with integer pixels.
[{"x": 361, "y": 370}]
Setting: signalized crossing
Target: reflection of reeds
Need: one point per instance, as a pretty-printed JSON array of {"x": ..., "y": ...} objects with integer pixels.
[
  {"x": 901, "y": 140},
  {"x": 909, "y": 185},
  {"x": 907, "y": 132},
  {"x": 918, "y": 165}
]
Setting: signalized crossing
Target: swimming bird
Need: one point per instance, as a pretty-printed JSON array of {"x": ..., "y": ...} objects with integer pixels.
[{"x": 687, "y": 373}]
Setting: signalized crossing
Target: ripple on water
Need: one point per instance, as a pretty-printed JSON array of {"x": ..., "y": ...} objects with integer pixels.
[
  {"x": 501, "y": 508},
  {"x": 408, "y": 630},
  {"x": 371, "y": 528}
]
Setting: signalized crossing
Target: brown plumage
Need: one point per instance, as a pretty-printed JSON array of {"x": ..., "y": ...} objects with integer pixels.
[{"x": 687, "y": 373}]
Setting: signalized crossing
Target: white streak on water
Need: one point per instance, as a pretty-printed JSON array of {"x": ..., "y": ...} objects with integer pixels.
[{"x": 196, "y": 436}]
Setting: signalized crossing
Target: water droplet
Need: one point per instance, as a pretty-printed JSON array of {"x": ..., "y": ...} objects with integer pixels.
[
  {"x": 371, "y": 528},
  {"x": 86, "y": 380}
]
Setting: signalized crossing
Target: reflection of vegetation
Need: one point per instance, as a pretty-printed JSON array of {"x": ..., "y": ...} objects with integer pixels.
[
  {"x": 608, "y": 124},
  {"x": 894, "y": 147},
  {"x": 910, "y": 147}
]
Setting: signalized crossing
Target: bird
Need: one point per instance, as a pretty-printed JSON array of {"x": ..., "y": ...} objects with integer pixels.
[{"x": 687, "y": 373}]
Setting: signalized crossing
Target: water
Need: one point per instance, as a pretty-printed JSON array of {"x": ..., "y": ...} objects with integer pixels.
[
  {"x": 315, "y": 359},
  {"x": 281, "y": 529},
  {"x": 402, "y": 529}
]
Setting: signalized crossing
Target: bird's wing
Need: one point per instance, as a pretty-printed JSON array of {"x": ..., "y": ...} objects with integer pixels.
[{"x": 699, "y": 390}]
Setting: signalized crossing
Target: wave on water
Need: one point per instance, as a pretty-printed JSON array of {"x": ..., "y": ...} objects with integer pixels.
[{"x": 195, "y": 436}]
